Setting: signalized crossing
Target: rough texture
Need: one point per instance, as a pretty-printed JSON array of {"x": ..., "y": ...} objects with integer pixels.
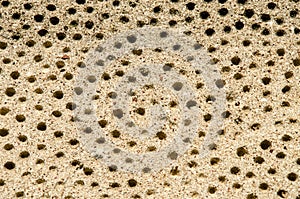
[{"x": 253, "y": 44}]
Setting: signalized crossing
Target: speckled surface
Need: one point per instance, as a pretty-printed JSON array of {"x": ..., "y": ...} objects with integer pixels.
[{"x": 255, "y": 47}]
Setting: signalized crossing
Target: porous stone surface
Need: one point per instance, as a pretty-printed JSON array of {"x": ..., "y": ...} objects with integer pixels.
[{"x": 149, "y": 99}]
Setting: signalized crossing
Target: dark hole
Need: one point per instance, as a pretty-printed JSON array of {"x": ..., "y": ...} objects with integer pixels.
[
  {"x": 246, "y": 88},
  {"x": 116, "y": 3},
  {"x": 60, "y": 35},
  {"x": 263, "y": 186},
  {"x": 89, "y": 9},
  {"x": 293, "y": 13},
  {"x": 237, "y": 76},
  {"x": 16, "y": 16},
  {"x": 30, "y": 43},
  {"x": 10, "y": 91},
  {"x": 89, "y": 24},
  {"x": 8, "y": 147},
  {"x": 280, "y": 33},
  {"x": 270, "y": 63},
  {"x": 71, "y": 106},
  {"x": 140, "y": 111},
  {"x": 265, "y": 144},
  {"x": 54, "y": 20},
  {"x": 209, "y": 31},
  {"x": 20, "y": 194},
  {"x": 132, "y": 4},
  {"x": 116, "y": 133},
  {"x": 102, "y": 123},
  {"x": 207, "y": 117},
  {"x": 106, "y": 76},
  {"x": 95, "y": 184},
  {"x": 239, "y": 25},
  {"x": 258, "y": 160},
  {"x": 58, "y": 94},
  {"x": 59, "y": 154},
  {"x": 246, "y": 42},
  {"x": 153, "y": 21},
  {"x": 71, "y": 11},
  {"x": 286, "y": 138},
  {"x": 80, "y": 2},
  {"x": 132, "y": 182},
  {"x": 3, "y": 132},
  {"x": 266, "y": 80},
  {"x": 77, "y": 36},
  {"x": 24, "y": 154},
  {"x": 280, "y": 155},
  {"x": 234, "y": 170},
  {"x": 271, "y": 171},
  {"x": 296, "y": 62},
  {"x": 26, "y": 26},
  {"x": 114, "y": 185},
  {"x": 248, "y": 13},
  {"x": 42, "y": 126},
  {"x": 41, "y": 146},
  {"x": 172, "y": 23},
  {"x": 190, "y": 6},
  {"x": 236, "y": 185},
  {"x": 124, "y": 19},
  {"x": 22, "y": 138},
  {"x": 9, "y": 165},
  {"x": 265, "y": 32},
  {"x": 137, "y": 51},
  {"x": 271, "y": 5},
  {"x": 161, "y": 135},
  {"x": 279, "y": 21},
  {"x": 88, "y": 171},
  {"x": 241, "y": 151},
  {"x": 292, "y": 176},
  {"x": 265, "y": 17},
  {"x": 51, "y": 7},
  {"x": 173, "y": 11},
  {"x": 298, "y": 161},
  {"x": 131, "y": 143},
  {"x": 226, "y": 114},
  {"x": 241, "y": 1},
  {"x": 212, "y": 190},
  {"x": 251, "y": 196},
  {"x": 286, "y": 89},
  {"x": 281, "y": 193},
  {"x": 27, "y": 6},
  {"x": 140, "y": 23},
  {"x": 57, "y": 113},
  {"x": 249, "y": 174},
  {"x": 68, "y": 76},
  {"x": 38, "y": 18},
  {"x": 3, "y": 45},
  {"x": 157, "y": 9},
  {"x": 222, "y": 178},
  {"x": 227, "y": 29},
  {"x": 255, "y": 26},
  {"x": 47, "y": 44},
  {"x": 20, "y": 118},
  {"x": 73, "y": 141},
  {"x": 214, "y": 161},
  {"x": 280, "y": 52},
  {"x": 223, "y": 11}
]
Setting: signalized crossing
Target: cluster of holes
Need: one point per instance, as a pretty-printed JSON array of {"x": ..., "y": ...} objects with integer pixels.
[
  {"x": 141, "y": 111},
  {"x": 190, "y": 7}
]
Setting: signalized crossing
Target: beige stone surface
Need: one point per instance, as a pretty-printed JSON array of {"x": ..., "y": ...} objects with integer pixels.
[{"x": 43, "y": 44}]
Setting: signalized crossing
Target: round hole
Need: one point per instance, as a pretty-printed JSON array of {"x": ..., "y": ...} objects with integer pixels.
[{"x": 177, "y": 86}]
